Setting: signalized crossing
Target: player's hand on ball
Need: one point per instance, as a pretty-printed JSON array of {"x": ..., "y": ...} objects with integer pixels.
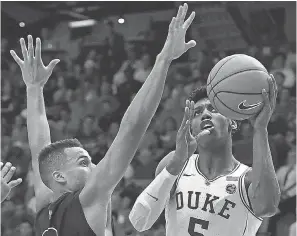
[
  {"x": 6, "y": 174},
  {"x": 261, "y": 120},
  {"x": 175, "y": 44},
  {"x": 33, "y": 70},
  {"x": 185, "y": 143}
]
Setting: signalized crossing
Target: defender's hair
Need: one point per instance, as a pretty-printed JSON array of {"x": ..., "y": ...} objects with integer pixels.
[{"x": 52, "y": 157}]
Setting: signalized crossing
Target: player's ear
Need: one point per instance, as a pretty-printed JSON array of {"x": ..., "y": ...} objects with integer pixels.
[{"x": 59, "y": 177}]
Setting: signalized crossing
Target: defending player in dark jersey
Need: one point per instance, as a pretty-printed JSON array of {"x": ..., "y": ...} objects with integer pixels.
[
  {"x": 211, "y": 193},
  {"x": 72, "y": 194}
]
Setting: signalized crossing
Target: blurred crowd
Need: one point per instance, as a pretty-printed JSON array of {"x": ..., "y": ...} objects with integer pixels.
[{"x": 86, "y": 98}]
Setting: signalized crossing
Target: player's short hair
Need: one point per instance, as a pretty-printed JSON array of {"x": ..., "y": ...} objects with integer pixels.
[
  {"x": 201, "y": 93},
  {"x": 198, "y": 94},
  {"x": 52, "y": 157}
]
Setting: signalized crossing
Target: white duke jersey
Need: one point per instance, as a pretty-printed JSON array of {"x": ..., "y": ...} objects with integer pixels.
[{"x": 218, "y": 207}]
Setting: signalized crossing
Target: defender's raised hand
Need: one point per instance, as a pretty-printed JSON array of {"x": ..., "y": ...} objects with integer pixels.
[
  {"x": 175, "y": 44},
  {"x": 33, "y": 70}
]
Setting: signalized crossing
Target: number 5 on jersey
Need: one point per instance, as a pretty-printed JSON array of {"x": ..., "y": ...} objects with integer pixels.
[{"x": 193, "y": 222}]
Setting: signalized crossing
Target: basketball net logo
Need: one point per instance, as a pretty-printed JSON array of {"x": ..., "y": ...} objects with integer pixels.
[
  {"x": 50, "y": 232},
  {"x": 244, "y": 106}
]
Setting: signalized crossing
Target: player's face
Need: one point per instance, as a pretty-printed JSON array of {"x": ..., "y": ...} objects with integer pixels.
[
  {"x": 207, "y": 117},
  {"x": 78, "y": 168}
]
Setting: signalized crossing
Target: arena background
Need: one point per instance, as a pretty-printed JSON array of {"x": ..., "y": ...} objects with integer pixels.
[{"x": 105, "y": 60}]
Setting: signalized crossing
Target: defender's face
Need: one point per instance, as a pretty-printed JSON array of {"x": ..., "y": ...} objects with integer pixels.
[
  {"x": 206, "y": 117},
  {"x": 77, "y": 168}
]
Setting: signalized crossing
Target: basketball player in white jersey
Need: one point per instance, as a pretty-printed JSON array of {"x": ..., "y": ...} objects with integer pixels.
[{"x": 211, "y": 193}]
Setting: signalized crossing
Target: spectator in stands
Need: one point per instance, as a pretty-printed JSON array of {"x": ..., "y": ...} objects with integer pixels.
[
  {"x": 107, "y": 115},
  {"x": 24, "y": 229},
  {"x": 112, "y": 132},
  {"x": 128, "y": 67},
  {"x": 143, "y": 165},
  {"x": 123, "y": 90},
  {"x": 167, "y": 133},
  {"x": 144, "y": 69},
  {"x": 18, "y": 155},
  {"x": 87, "y": 133},
  {"x": 19, "y": 131},
  {"x": 77, "y": 107},
  {"x": 115, "y": 45},
  {"x": 278, "y": 65},
  {"x": 106, "y": 95},
  {"x": 63, "y": 127},
  {"x": 5, "y": 143},
  {"x": 47, "y": 42},
  {"x": 90, "y": 64},
  {"x": 242, "y": 148},
  {"x": 279, "y": 224},
  {"x": 7, "y": 103},
  {"x": 61, "y": 91},
  {"x": 100, "y": 149}
]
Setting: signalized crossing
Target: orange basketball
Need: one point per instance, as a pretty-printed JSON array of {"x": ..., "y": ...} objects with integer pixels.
[{"x": 234, "y": 86}]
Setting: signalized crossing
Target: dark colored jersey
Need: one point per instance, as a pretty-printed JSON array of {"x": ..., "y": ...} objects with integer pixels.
[{"x": 65, "y": 215}]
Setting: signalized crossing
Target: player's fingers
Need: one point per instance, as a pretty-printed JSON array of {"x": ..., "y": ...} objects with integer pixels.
[
  {"x": 271, "y": 89},
  {"x": 16, "y": 58},
  {"x": 52, "y": 64},
  {"x": 9, "y": 174},
  {"x": 24, "y": 49},
  {"x": 188, "y": 103},
  {"x": 185, "y": 130},
  {"x": 189, "y": 21},
  {"x": 185, "y": 118},
  {"x": 30, "y": 48},
  {"x": 5, "y": 169},
  {"x": 178, "y": 16},
  {"x": 190, "y": 44},
  {"x": 184, "y": 13},
  {"x": 38, "y": 50},
  {"x": 15, "y": 183},
  {"x": 265, "y": 98},
  {"x": 275, "y": 90},
  {"x": 192, "y": 110},
  {"x": 171, "y": 26},
  {"x": 1, "y": 164}
]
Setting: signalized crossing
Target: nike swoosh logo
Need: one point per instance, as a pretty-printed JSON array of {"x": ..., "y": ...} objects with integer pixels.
[
  {"x": 152, "y": 197},
  {"x": 244, "y": 106},
  {"x": 187, "y": 175}
]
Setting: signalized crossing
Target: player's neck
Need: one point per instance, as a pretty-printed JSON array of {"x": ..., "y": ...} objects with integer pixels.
[
  {"x": 214, "y": 162},
  {"x": 57, "y": 194}
]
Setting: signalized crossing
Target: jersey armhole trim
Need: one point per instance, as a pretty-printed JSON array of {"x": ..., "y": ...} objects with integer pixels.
[
  {"x": 243, "y": 193},
  {"x": 172, "y": 191}
]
